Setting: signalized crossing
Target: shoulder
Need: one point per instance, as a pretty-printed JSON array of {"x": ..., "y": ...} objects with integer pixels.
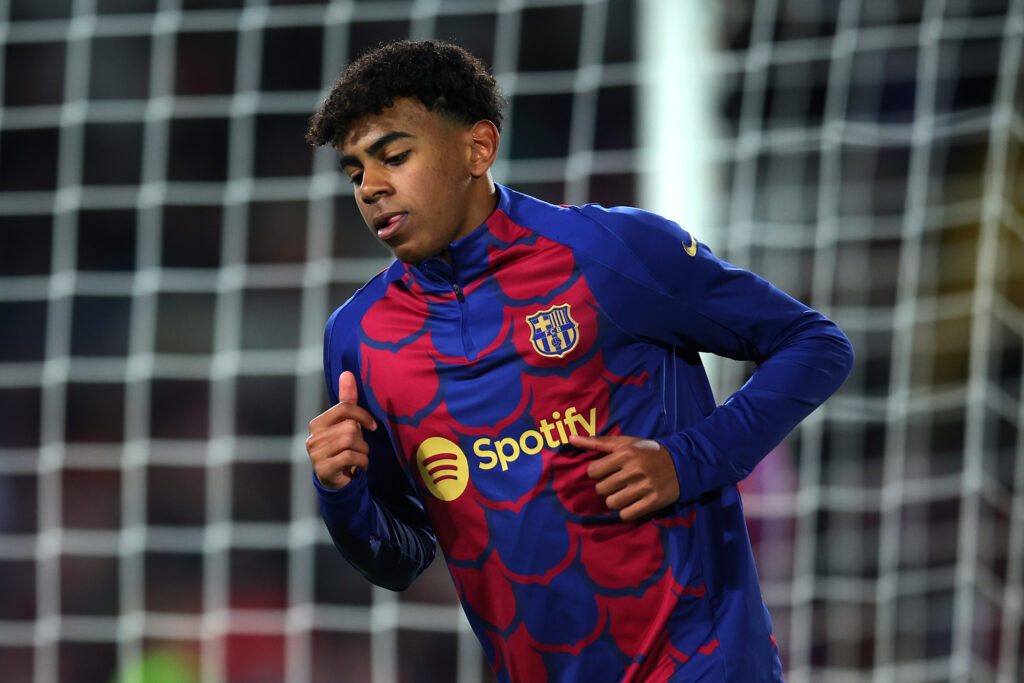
[
  {"x": 579, "y": 226},
  {"x": 650, "y": 237},
  {"x": 341, "y": 334},
  {"x": 343, "y": 324},
  {"x": 629, "y": 222},
  {"x": 643, "y": 247},
  {"x": 670, "y": 257},
  {"x": 631, "y": 242}
]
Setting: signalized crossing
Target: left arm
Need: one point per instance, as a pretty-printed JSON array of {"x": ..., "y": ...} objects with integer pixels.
[{"x": 699, "y": 303}]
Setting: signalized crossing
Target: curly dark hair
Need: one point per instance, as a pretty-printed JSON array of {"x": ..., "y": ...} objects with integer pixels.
[{"x": 444, "y": 77}]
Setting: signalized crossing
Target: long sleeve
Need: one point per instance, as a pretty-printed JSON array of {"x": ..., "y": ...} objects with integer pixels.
[
  {"x": 660, "y": 284},
  {"x": 376, "y": 521}
]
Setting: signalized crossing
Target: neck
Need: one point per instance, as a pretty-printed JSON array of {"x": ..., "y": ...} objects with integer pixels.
[{"x": 483, "y": 200}]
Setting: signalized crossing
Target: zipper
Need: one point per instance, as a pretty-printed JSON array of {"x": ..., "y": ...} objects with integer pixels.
[
  {"x": 447, "y": 274},
  {"x": 467, "y": 340}
]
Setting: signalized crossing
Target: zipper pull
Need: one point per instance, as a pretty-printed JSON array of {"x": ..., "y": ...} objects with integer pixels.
[{"x": 458, "y": 293}]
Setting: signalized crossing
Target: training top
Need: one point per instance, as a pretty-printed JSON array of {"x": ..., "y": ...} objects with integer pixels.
[{"x": 550, "y": 321}]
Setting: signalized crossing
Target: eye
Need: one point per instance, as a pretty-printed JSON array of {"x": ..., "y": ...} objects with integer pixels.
[
  {"x": 397, "y": 159},
  {"x": 356, "y": 178}
]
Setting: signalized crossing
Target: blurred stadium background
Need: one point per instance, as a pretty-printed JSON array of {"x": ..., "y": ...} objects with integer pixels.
[{"x": 170, "y": 250}]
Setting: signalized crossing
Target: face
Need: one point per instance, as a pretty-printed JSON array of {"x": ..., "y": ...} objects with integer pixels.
[{"x": 416, "y": 179}]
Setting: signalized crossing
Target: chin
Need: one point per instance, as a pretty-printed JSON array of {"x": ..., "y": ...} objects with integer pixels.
[
  {"x": 410, "y": 256},
  {"x": 413, "y": 254}
]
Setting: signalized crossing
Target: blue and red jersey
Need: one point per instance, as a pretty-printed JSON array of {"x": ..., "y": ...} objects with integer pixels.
[{"x": 549, "y": 321}]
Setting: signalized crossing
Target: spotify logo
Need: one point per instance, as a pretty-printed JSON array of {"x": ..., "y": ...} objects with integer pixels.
[{"x": 443, "y": 467}]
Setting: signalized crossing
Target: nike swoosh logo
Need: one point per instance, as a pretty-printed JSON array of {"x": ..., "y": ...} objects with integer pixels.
[{"x": 691, "y": 249}]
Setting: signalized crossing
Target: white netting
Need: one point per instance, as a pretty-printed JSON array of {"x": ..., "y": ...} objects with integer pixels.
[
  {"x": 170, "y": 249},
  {"x": 872, "y": 158}
]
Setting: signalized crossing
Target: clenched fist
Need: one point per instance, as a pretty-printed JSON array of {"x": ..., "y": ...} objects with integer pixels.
[{"x": 335, "y": 444}]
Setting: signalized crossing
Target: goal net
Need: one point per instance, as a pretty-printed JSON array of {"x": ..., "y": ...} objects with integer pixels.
[
  {"x": 870, "y": 156},
  {"x": 170, "y": 250}
]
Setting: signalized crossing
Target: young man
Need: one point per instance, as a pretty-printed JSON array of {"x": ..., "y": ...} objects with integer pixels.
[{"x": 523, "y": 385}]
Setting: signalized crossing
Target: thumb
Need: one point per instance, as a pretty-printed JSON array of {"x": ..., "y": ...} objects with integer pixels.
[{"x": 347, "y": 390}]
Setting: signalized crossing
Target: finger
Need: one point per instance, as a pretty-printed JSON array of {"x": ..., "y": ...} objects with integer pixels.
[
  {"x": 351, "y": 459},
  {"x": 352, "y": 470},
  {"x": 348, "y": 392},
  {"x": 604, "y": 444},
  {"x": 334, "y": 460},
  {"x": 340, "y": 412},
  {"x": 338, "y": 471},
  {"x": 623, "y": 498},
  {"x": 325, "y": 443},
  {"x": 638, "y": 509},
  {"x": 605, "y": 466},
  {"x": 616, "y": 481}
]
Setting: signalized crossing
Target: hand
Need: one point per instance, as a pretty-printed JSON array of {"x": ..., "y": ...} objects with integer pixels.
[
  {"x": 335, "y": 443},
  {"x": 636, "y": 477}
]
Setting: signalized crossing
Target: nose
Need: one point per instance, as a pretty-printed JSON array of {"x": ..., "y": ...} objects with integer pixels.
[{"x": 374, "y": 186}]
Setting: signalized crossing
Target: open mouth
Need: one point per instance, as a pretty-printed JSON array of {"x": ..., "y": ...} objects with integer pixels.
[{"x": 388, "y": 224}]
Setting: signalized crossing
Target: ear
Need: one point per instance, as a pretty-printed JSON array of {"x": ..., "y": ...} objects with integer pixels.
[{"x": 483, "y": 147}]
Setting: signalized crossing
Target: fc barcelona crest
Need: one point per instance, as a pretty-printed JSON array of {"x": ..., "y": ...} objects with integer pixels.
[{"x": 553, "y": 332}]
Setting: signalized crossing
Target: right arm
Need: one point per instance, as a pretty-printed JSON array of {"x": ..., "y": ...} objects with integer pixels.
[{"x": 368, "y": 504}]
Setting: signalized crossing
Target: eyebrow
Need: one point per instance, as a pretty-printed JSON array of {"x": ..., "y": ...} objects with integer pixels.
[{"x": 352, "y": 160}]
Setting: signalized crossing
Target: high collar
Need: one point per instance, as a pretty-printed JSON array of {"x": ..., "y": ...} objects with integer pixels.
[{"x": 471, "y": 256}]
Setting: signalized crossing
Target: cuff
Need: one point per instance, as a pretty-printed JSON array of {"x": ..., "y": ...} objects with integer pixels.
[{"x": 343, "y": 502}]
